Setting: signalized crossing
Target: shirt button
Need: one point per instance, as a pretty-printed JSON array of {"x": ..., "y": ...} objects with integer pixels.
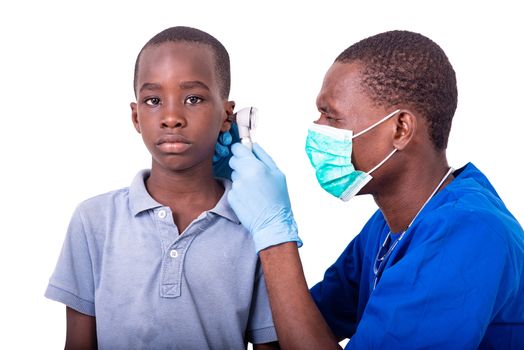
[
  {"x": 173, "y": 253},
  {"x": 162, "y": 214}
]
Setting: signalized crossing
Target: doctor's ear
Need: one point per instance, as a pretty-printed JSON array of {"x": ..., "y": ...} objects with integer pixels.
[{"x": 406, "y": 126}]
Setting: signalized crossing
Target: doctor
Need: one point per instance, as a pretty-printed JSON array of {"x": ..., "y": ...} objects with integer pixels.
[{"x": 439, "y": 265}]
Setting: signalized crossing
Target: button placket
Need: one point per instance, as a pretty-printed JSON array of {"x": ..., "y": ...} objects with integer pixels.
[
  {"x": 174, "y": 267},
  {"x": 162, "y": 213},
  {"x": 172, "y": 273},
  {"x": 175, "y": 250}
]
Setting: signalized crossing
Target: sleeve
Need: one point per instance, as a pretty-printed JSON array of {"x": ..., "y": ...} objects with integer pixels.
[
  {"x": 443, "y": 292},
  {"x": 260, "y": 327},
  {"x": 337, "y": 295},
  {"x": 72, "y": 281}
]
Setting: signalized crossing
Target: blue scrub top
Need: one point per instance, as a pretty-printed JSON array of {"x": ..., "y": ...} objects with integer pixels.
[{"x": 455, "y": 280}]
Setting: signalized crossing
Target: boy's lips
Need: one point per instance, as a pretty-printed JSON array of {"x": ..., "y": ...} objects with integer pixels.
[{"x": 173, "y": 143}]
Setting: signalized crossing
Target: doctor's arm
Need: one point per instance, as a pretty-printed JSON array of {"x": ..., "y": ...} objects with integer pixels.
[
  {"x": 299, "y": 323},
  {"x": 259, "y": 198}
]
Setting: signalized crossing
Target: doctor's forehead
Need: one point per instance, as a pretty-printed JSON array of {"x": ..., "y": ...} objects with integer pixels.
[{"x": 341, "y": 88}]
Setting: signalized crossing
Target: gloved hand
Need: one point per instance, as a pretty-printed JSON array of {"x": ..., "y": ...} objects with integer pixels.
[
  {"x": 260, "y": 199},
  {"x": 223, "y": 153}
]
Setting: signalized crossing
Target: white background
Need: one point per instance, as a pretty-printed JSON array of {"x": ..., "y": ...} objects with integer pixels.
[{"x": 66, "y": 71}]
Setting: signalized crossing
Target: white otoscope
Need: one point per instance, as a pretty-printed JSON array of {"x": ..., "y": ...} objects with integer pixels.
[{"x": 246, "y": 120}]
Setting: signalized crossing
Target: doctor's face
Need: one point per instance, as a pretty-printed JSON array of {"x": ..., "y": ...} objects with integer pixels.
[{"x": 344, "y": 104}]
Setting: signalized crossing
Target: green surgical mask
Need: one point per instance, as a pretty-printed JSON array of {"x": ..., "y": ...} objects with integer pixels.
[{"x": 329, "y": 150}]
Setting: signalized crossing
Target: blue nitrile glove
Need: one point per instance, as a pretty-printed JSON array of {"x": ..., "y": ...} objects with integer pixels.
[
  {"x": 259, "y": 197},
  {"x": 223, "y": 153}
]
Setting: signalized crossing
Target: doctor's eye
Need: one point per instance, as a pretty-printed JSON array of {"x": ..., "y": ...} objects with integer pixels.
[
  {"x": 152, "y": 101},
  {"x": 193, "y": 100}
]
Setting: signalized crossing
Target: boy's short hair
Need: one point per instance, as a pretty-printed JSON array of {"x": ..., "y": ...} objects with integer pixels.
[
  {"x": 193, "y": 35},
  {"x": 402, "y": 67}
]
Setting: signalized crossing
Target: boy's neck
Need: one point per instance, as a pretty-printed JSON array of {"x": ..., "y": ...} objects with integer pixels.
[{"x": 187, "y": 193}]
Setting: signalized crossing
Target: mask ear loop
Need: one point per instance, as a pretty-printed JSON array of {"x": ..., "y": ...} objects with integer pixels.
[
  {"x": 383, "y": 161},
  {"x": 377, "y": 123},
  {"x": 371, "y": 127}
]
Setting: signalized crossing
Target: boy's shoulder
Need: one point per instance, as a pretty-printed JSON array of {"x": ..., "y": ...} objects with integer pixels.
[
  {"x": 104, "y": 205},
  {"x": 105, "y": 199},
  {"x": 108, "y": 203}
]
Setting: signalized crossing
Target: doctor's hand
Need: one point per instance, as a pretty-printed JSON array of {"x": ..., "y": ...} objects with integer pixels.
[
  {"x": 223, "y": 152},
  {"x": 260, "y": 198}
]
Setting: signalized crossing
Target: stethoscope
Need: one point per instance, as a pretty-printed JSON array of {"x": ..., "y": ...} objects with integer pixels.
[{"x": 384, "y": 253}]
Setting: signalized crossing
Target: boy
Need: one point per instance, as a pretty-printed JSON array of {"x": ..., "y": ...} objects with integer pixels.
[{"x": 165, "y": 262}]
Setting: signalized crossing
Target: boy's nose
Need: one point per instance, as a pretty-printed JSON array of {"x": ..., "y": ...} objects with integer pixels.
[{"x": 173, "y": 119}]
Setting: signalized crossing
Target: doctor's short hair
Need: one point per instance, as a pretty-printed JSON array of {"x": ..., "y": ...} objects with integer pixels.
[
  {"x": 193, "y": 35},
  {"x": 402, "y": 67}
]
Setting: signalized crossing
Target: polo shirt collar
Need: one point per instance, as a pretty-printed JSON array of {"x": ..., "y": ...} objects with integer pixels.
[
  {"x": 223, "y": 208},
  {"x": 140, "y": 200}
]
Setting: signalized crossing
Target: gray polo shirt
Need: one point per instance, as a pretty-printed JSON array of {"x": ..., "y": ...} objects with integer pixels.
[{"x": 124, "y": 262}]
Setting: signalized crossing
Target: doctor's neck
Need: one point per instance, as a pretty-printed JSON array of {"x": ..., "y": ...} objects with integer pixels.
[{"x": 401, "y": 199}]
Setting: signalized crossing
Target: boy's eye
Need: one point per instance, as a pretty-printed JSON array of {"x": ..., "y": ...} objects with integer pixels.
[
  {"x": 193, "y": 100},
  {"x": 153, "y": 101}
]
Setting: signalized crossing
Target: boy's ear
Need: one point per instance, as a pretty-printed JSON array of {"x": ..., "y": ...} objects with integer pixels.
[
  {"x": 134, "y": 116},
  {"x": 229, "y": 109}
]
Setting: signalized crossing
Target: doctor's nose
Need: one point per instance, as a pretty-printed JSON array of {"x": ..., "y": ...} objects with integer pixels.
[{"x": 321, "y": 120}]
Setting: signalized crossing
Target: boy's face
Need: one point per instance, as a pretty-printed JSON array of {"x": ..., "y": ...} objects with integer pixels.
[{"x": 179, "y": 109}]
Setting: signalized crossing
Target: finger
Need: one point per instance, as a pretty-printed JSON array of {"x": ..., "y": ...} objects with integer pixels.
[
  {"x": 241, "y": 151},
  {"x": 264, "y": 157},
  {"x": 234, "y": 176},
  {"x": 225, "y": 138},
  {"x": 221, "y": 150},
  {"x": 234, "y": 162}
]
